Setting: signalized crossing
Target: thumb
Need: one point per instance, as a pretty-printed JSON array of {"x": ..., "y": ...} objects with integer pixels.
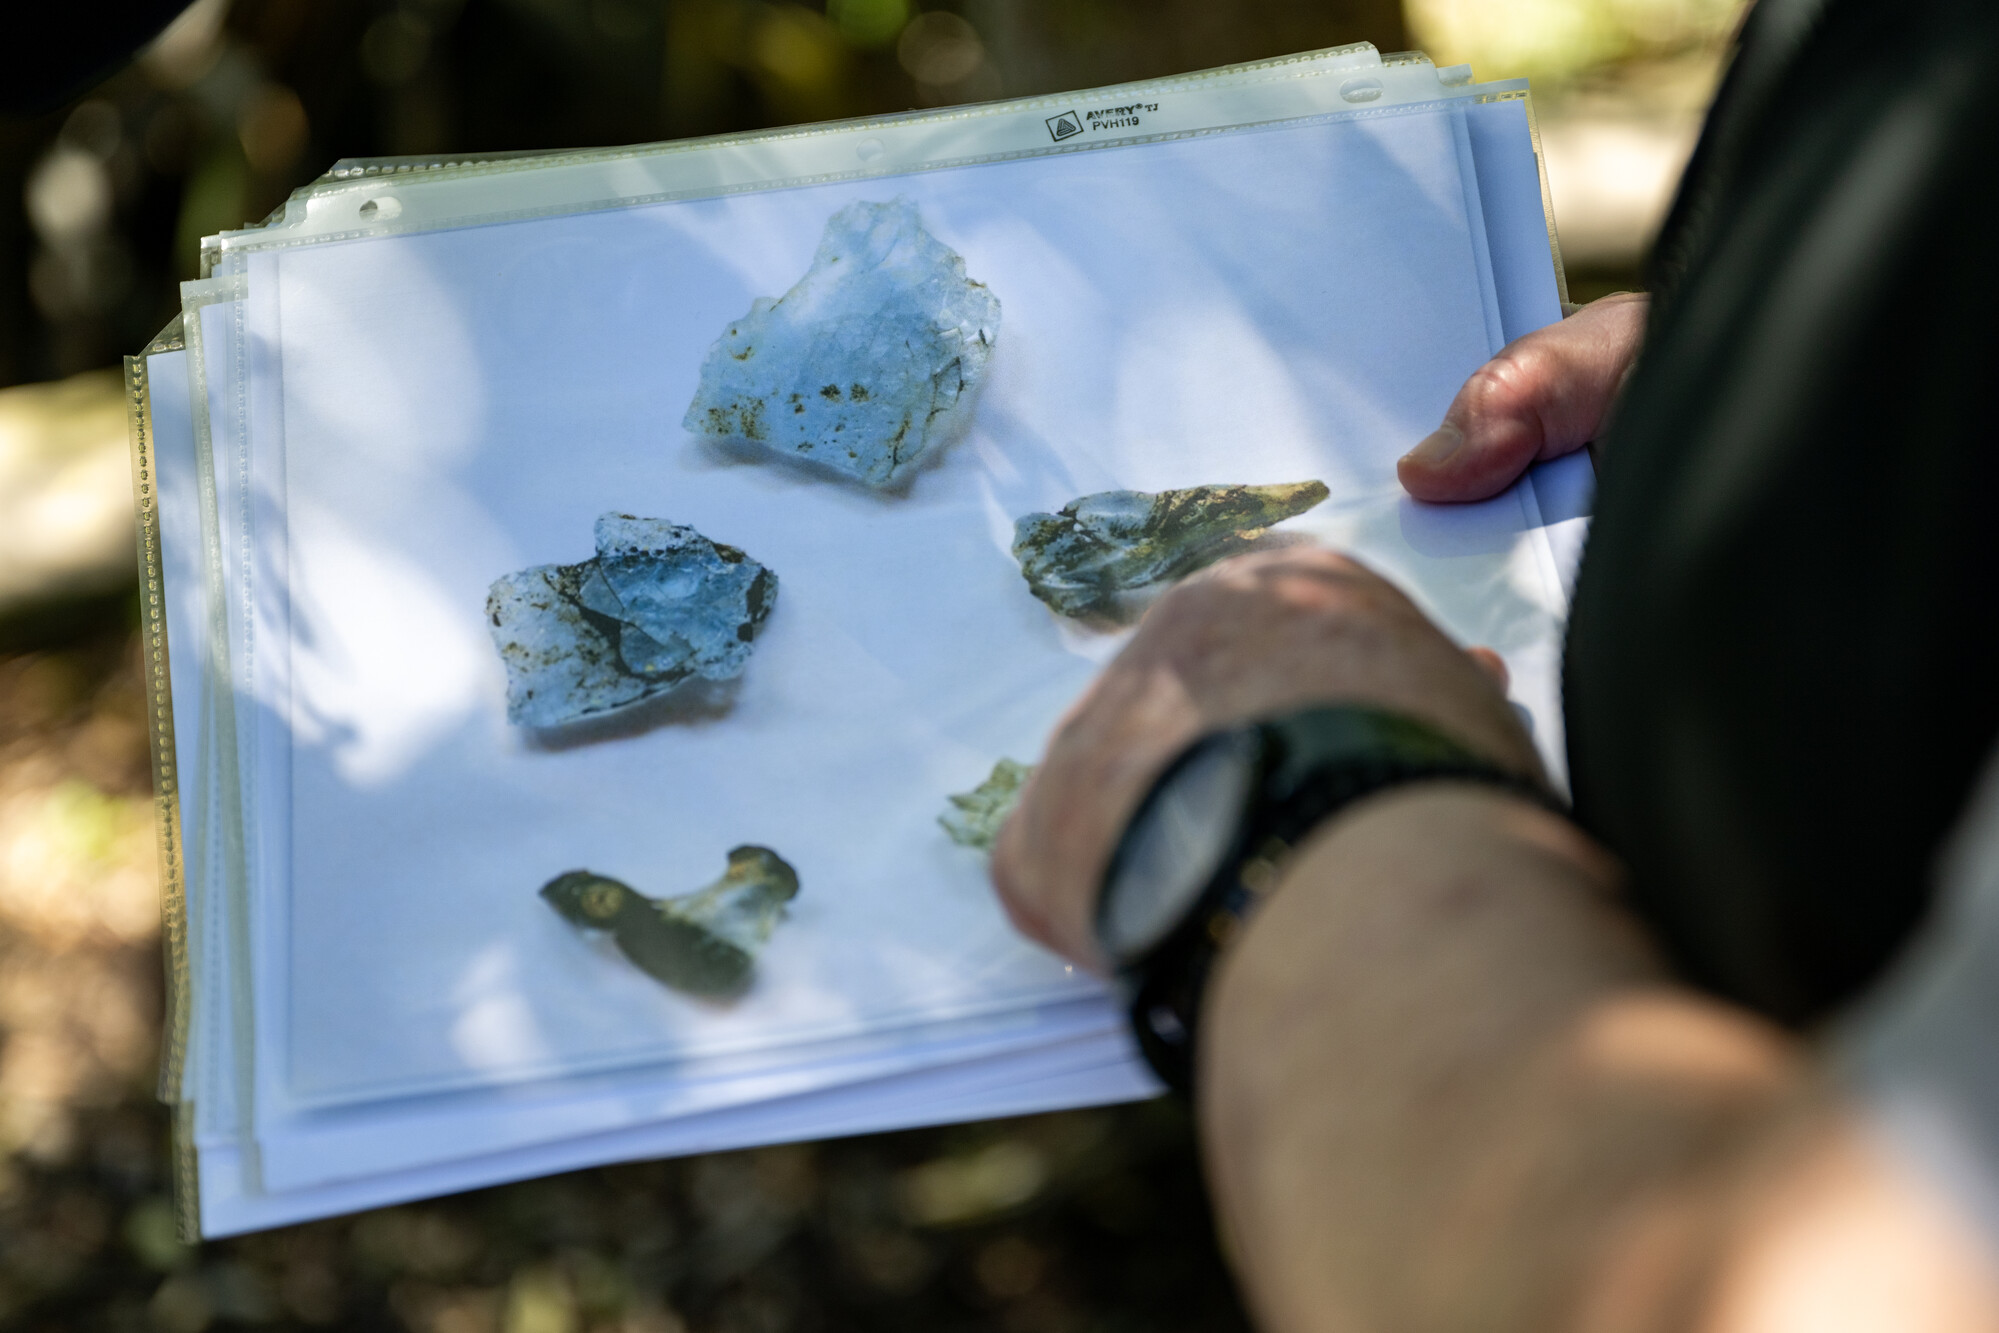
[
  {"x": 1547, "y": 394},
  {"x": 1493, "y": 665}
]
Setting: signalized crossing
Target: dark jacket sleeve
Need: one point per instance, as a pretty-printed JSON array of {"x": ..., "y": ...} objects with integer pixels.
[{"x": 1782, "y": 671}]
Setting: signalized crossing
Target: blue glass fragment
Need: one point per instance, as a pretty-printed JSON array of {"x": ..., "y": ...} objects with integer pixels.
[
  {"x": 865, "y": 366},
  {"x": 658, "y": 605}
]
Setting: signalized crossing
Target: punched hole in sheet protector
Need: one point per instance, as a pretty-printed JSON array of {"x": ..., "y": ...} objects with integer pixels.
[
  {"x": 381, "y": 208},
  {"x": 1361, "y": 90},
  {"x": 869, "y": 149}
]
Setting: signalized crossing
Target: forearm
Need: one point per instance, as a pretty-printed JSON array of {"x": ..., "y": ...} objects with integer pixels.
[{"x": 1444, "y": 1085}]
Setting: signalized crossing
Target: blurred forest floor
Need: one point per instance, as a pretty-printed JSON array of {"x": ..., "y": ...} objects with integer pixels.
[{"x": 1090, "y": 1220}]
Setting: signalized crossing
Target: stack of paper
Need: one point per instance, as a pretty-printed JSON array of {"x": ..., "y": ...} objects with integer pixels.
[{"x": 501, "y": 523}]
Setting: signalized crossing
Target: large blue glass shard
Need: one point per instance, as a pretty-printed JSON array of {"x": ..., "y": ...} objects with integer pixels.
[{"x": 865, "y": 366}]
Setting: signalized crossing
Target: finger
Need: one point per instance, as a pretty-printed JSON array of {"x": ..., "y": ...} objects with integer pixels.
[
  {"x": 1009, "y": 865},
  {"x": 1027, "y": 873},
  {"x": 1011, "y": 869},
  {"x": 1050, "y": 856},
  {"x": 1033, "y": 875},
  {"x": 1493, "y": 665},
  {"x": 1547, "y": 394}
]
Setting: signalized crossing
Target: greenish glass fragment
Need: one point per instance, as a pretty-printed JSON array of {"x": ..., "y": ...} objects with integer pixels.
[
  {"x": 975, "y": 816},
  {"x": 704, "y": 943},
  {"x": 1087, "y": 560}
]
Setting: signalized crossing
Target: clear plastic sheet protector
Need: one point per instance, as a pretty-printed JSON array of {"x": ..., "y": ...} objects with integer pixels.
[
  {"x": 343, "y": 1035},
  {"x": 324, "y": 1151}
]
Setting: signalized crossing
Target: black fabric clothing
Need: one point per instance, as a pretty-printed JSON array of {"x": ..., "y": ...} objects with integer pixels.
[{"x": 1782, "y": 671}]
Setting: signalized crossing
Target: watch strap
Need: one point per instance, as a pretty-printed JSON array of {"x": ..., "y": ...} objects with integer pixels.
[{"x": 1314, "y": 763}]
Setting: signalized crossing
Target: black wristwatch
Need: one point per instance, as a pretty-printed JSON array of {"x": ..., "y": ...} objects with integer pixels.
[{"x": 1210, "y": 839}]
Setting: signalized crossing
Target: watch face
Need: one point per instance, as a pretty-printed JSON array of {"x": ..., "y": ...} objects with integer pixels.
[{"x": 1175, "y": 844}]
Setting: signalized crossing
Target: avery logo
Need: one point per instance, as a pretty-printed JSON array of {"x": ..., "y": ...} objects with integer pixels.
[{"x": 1064, "y": 126}]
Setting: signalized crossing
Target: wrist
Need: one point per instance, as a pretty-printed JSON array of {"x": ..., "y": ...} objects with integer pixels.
[
  {"x": 1374, "y": 891},
  {"x": 1212, "y": 838}
]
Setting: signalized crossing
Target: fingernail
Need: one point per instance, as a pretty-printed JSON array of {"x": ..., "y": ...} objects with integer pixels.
[{"x": 1437, "y": 446}]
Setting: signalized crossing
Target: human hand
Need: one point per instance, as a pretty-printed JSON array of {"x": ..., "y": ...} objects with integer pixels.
[
  {"x": 1546, "y": 394},
  {"x": 1247, "y": 638}
]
